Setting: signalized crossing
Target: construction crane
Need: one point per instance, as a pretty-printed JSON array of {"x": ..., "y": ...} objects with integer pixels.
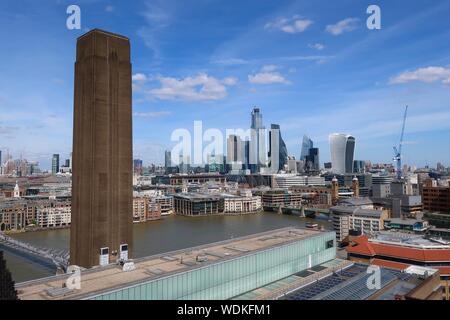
[{"x": 398, "y": 151}]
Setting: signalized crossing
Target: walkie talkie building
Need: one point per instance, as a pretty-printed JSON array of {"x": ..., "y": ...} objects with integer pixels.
[{"x": 342, "y": 147}]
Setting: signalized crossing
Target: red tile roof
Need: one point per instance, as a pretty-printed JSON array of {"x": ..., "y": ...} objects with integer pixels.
[{"x": 361, "y": 245}]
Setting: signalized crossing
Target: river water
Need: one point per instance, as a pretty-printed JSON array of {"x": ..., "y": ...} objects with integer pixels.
[{"x": 171, "y": 233}]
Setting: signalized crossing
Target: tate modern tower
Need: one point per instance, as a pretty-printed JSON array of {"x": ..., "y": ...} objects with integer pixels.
[{"x": 101, "y": 230}]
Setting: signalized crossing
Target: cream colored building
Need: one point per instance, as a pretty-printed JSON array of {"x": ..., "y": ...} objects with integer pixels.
[
  {"x": 48, "y": 217},
  {"x": 241, "y": 204}
]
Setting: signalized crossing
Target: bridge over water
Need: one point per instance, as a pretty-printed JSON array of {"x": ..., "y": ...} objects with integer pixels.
[{"x": 47, "y": 257}]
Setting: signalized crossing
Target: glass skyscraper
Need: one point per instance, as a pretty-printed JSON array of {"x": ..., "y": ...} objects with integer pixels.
[
  {"x": 277, "y": 149},
  {"x": 55, "y": 164},
  {"x": 257, "y": 148},
  {"x": 342, "y": 149},
  {"x": 307, "y": 144}
]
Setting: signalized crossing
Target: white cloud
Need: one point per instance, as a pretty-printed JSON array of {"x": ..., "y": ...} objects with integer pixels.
[
  {"x": 291, "y": 25},
  {"x": 428, "y": 74},
  {"x": 139, "y": 77},
  {"x": 230, "y": 61},
  {"x": 342, "y": 26},
  {"x": 317, "y": 46},
  {"x": 267, "y": 75},
  {"x": 269, "y": 68},
  {"x": 109, "y": 8},
  {"x": 230, "y": 81},
  {"x": 158, "y": 16},
  {"x": 199, "y": 88},
  {"x": 151, "y": 114}
]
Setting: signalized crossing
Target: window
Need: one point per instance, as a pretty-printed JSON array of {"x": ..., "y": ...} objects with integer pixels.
[{"x": 329, "y": 244}]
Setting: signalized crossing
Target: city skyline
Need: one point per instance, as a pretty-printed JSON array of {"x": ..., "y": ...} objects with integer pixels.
[{"x": 306, "y": 52}]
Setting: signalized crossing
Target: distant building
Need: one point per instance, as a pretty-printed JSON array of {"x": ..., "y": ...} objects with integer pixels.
[
  {"x": 55, "y": 164},
  {"x": 347, "y": 220},
  {"x": 342, "y": 148},
  {"x": 281, "y": 198},
  {"x": 145, "y": 210},
  {"x": 312, "y": 162},
  {"x": 436, "y": 198},
  {"x": 277, "y": 150},
  {"x": 167, "y": 159},
  {"x": 241, "y": 204},
  {"x": 359, "y": 166},
  {"x": 307, "y": 144},
  {"x": 257, "y": 148},
  {"x": 196, "y": 204},
  {"x": 286, "y": 181},
  {"x": 381, "y": 186},
  {"x": 18, "y": 213},
  {"x": 54, "y": 216},
  {"x": 137, "y": 167},
  {"x": 197, "y": 178},
  {"x": 165, "y": 204},
  {"x": 235, "y": 153},
  {"x": 408, "y": 225}
]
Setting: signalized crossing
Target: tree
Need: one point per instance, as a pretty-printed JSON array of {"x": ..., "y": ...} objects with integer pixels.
[{"x": 7, "y": 290}]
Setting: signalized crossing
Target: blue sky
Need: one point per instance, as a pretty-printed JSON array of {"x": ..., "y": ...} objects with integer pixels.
[{"x": 311, "y": 66}]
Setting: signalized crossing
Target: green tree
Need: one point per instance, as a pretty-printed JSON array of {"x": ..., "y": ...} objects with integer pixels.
[{"x": 7, "y": 290}]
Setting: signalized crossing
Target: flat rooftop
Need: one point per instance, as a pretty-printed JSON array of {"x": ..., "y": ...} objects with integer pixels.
[
  {"x": 406, "y": 239},
  {"x": 350, "y": 283},
  {"x": 197, "y": 196},
  {"x": 99, "y": 280}
]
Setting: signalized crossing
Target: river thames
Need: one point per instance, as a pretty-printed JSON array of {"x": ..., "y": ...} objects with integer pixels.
[{"x": 154, "y": 237}]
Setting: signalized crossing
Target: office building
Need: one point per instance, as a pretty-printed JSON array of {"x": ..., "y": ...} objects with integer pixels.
[
  {"x": 257, "y": 148},
  {"x": 286, "y": 181},
  {"x": 359, "y": 166},
  {"x": 242, "y": 203},
  {"x": 55, "y": 164},
  {"x": 342, "y": 149},
  {"x": 406, "y": 225},
  {"x": 167, "y": 159},
  {"x": 307, "y": 144},
  {"x": 54, "y": 216},
  {"x": 381, "y": 186},
  {"x": 276, "y": 198},
  {"x": 165, "y": 203},
  {"x": 356, "y": 220},
  {"x": 436, "y": 198},
  {"x": 102, "y": 190},
  {"x": 197, "y": 179},
  {"x": 145, "y": 210},
  {"x": 278, "y": 154},
  {"x": 235, "y": 153},
  {"x": 312, "y": 163},
  {"x": 197, "y": 204},
  {"x": 137, "y": 167}
]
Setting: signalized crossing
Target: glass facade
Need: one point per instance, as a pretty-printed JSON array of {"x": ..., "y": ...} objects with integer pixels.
[{"x": 233, "y": 277}]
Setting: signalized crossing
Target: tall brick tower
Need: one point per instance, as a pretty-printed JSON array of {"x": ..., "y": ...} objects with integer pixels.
[{"x": 101, "y": 230}]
